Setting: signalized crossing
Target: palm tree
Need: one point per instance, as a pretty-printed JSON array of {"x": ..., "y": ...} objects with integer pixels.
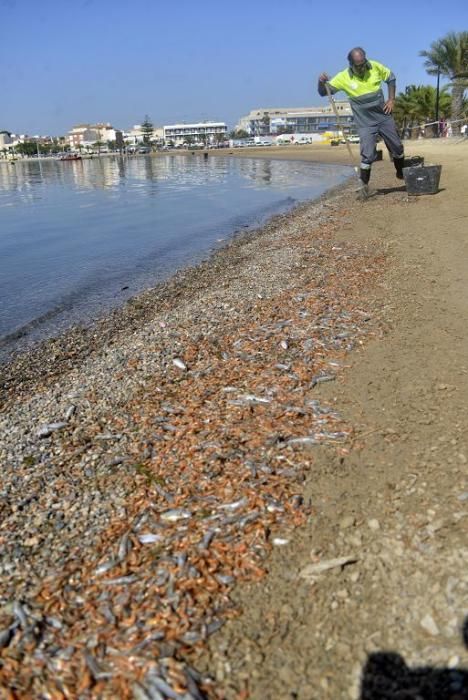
[
  {"x": 417, "y": 105},
  {"x": 449, "y": 56}
]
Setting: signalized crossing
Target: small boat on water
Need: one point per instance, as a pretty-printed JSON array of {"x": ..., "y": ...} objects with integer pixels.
[{"x": 71, "y": 156}]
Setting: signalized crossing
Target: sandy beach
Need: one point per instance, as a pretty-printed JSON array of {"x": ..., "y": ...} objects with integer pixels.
[{"x": 250, "y": 482}]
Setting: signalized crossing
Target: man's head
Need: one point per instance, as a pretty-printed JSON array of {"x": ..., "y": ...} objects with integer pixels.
[{"x": 358, "y": 61}]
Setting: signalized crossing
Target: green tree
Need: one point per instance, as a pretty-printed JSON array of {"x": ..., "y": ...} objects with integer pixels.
[
  {"x": 189, "y": 140},
  {"x": 239, "y": 134},
  {"x": 449, "y": 55},
  {"x": 417, "y": 105},
  {"x": 147, "y": 129},
  {"x": 27, "y": 148},
  {"x": 220, "y": 138},
  {"x": 98, "y": 145}
]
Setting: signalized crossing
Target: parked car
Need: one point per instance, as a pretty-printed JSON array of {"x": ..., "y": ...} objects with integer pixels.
[{"x": 354, "y": 138}]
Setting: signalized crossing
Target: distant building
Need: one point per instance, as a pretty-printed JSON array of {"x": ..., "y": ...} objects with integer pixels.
[
  {"x": 134, "y": 136},
  {"x": 5, "y": 140},
  {"x": 84, "y": 135},
  {"x": 206, "y": 132},
  {"x": 304, "y": 120}
]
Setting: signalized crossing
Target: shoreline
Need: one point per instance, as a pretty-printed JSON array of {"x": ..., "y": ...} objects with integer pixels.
[{"x": 131, "y": 312}]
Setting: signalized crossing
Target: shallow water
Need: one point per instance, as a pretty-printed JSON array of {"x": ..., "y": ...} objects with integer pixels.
[{"x": 77, "y": 238}]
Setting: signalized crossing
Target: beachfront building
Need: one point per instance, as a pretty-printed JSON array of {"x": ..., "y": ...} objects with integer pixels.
[
  {"x": 135, "y": 136},
  {"x": 86, "y": 135},
  {"x": 5, "y": 139},
  {"x": 199, "y": 132},
  {"x": 304, "y": 120}
]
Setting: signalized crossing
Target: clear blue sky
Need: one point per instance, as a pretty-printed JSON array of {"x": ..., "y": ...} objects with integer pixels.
[{"x": 69, "y": 61}]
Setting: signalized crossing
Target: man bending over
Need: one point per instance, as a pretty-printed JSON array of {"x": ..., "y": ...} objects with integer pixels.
[{"x": 362, "y": 81}]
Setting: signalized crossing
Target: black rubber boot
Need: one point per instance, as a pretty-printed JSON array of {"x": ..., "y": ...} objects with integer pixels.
[
  {"x": 364, "y": 175},
  {"x": 399, "y": 164}
]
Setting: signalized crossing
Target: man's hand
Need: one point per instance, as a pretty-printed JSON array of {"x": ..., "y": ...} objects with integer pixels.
[
  {"x": 388, "y": 106},
  {"x": 324, "y": 77}
]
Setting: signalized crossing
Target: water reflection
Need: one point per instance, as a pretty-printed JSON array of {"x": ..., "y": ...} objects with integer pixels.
[
  {"x": 28, "y": 176},
  {"x": 74, "y": 235}
]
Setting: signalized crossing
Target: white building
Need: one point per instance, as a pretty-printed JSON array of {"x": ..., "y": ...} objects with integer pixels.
[
  {"x": 84, "y": 135},
  {"x": 204, "y": 132},
  {"x": 303, "y": 120},
  {"x": 5, "y": 140}
]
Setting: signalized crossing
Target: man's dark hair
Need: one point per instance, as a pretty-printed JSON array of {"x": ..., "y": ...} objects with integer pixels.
[{"x": 350, "y": 54}]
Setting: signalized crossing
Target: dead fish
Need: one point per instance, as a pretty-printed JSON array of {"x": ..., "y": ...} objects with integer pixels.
[
  {"x": 282, "y": 366},
  {"x": 249, "y": 518},
  {"x": 54, "y": 622},
  {"x": 274, "y": 507},
  {"x": 191, "y": 638},
  {"x": 207, "y": 538},
  {"x": 106, "y": 612},
  {"x": 161, "y": 686},
  {"x": 105, "y": 566},
  {"x": 124, "y": 547},
  {"x": 149, "y": 538},
  {"x": 320, "y": 379},
  {"x": 306, "y": 440},
  {"x": 251, "y": 398},
  {"x": 50, "y": 428},
  {"x": 284, "y": 344},
  {"x": 234, "y": 505},
  {"x": 7, "y": 635},
  {"x": 96, "y": 671},
  {"x": 140, "y": 520},
  {"x": 70, "y": 412},
  {"x": 225, "y": 579},
  {"x": 175, "y": 514},
  {"x": 20, "y": 613},
  {"x": 140, "y": 693},
  {"x": 179, "y": 363},
  {"x": 333, "y": 436},
  {"x": 108, "y": 436},
  {"x": 314, "y": 569},
  {"x": 121, "y": 580}
]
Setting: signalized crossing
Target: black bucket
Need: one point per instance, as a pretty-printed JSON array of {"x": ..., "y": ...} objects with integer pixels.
[
  {"x": 422, "y": 179},
  {"x": 412, "y": 161}
]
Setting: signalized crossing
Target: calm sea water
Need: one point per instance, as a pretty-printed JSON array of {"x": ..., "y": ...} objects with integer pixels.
[{"x": 73, "y": 235}]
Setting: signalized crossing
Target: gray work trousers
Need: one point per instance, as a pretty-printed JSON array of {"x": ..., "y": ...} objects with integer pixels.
[{"x": 368, "y": 139}]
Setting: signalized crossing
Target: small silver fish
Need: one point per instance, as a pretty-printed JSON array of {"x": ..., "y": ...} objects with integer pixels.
[
  {"x": 207, "y": 538},
  {"x": 96, "y": 671},
  {"x": 70, "y": 412},
  {"x": 50, "y": 428},
  {"x": 320, "y": 379},
  {"x": 251, "y": 398},
  {"x": 105, "y": 566},
  {"x": 162, "y": 686},
  {"x": 179, "y": 363},
  {"x": 20, "y": 613},
  {"x": 121, "y": 580},
  {"x": 175, "y": 514},
  {"x": 124, "y": 547},
  {"x": 149, "y": 538},
  {"x": 234, "y": 505},
  {"x": 307, "y": 440}
]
